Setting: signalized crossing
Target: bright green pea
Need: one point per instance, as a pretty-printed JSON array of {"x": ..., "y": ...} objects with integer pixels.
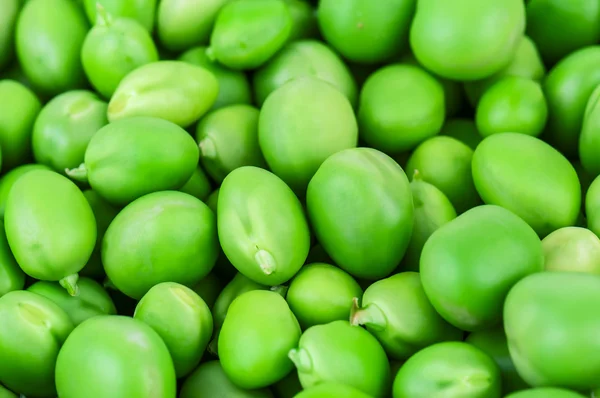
[
  {"x": 9, "y": 11},
  {"x": 469, "y": 264},
  {"x": 304, "y": 58},
  {"x": 456, "y": 40},
  {"x": 209, "y": 289},
  {"x": 449, "y": 369},
  {"x": 254, "y": 345},
  {"x": 212, "y": 201},
  {"x": 304, "y": 20},
  {"x": 91, "y": 301},
  {"x": 127, "y": 359},
  {"x": 545, "y": 392},
  {"x": 589, "y": 141},
  {"x": 181, "y": 318},
  {"x": 528, "y": 177},
  {"x": 7, "y": 181},
  {"x": 538, "y": 312},
  {"x": 210, "y": 381},
  {"x": 64, "y": 128},
  {"x": 327, "y": 390},
  {"x": 11, "y": 275},
  {"x": 228, "y": 139},
  {"x": 368, "y": 235},
  {"x": 136, "y": 156},
  {"x": 400, "y": 107},
  {"x": 463, "y": 130},
  {"x": 321, "y": 293},
  {"x": 247, "y": 33},
  {"x": 365, "y": 31},
  {"x": 572, "y": 249},
  {"x": 341, "y": 353},
  {"x": 198, "y": 185},
  {"x": 262, "y": 226},
  {"x": 19, "y": 108},
  {"x": 34, "y": 330},
  {"x": 166, "y": 236},
  {"x": 113, "y": 48},
  {"x": 445, "y": 162},
  {"x": 49, "y": 37},
  {"x": 50, "y": 227},
  {"x": 143, "y": 11},
  {"x": 234, "y": 87},
  {"x": 172, "y": 90}
]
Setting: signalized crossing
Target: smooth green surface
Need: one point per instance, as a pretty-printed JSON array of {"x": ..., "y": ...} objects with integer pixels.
[
  {"x": 331, "y": 389},
  {"x": 11, "y": 276},
  {"x": 573, "y": 249},
  {"x": 7, "y": 181},
  {"x": 143, "y": 11}
]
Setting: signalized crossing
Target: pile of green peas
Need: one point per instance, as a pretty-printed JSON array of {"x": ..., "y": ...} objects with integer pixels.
[{"x": 294, "y": 198}]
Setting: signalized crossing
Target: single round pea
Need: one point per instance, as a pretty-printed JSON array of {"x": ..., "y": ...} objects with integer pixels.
[
  {"x": 198, "y": 185},
  {"x": 464, "y": 130},
  {"x": 143, "y": 11},
  {"x": 11, "y": 275},
  {"x": 9, "y": 11},
  {"x": 209, "y": 289},
  {"x": 545, "y": 392},
  {"x": 304, "y": 20},
  {"x": 332, "y": 389},
  {"x": 7, "y": 181},
  {"x": 572, "y": 249}
]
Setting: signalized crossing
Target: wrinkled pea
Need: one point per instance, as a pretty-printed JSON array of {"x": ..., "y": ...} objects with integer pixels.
[
  {"x": 572, "y": 249},
  {"x": 143, "y": 11},
  {"x": 11, "y": 275},
  {"x": 7, "y": 181}
]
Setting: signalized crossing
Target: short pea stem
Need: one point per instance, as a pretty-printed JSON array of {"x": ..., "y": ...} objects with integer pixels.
[
  {"x": 208, "y": 148},
  {"x": 265, "y": 261},
  {"x": 417, "y": 175},
  {"x": 79, "y": 173},
  {"x": 70, "y": 284},
  {"x": 301, "y": 359},
  {"x": 103, "y": 18},
  {"x": 370, "y": 316}
]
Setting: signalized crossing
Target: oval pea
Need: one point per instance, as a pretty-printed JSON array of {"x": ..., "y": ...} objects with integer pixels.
[
  {"x": 251, "y": 339},
  {"x": 123, "y": 342},
  {"x": 49, "y": 38},
  {"x": 11, "y": 276},
  {"x": 198, "y": 185},
  {"x": 8, "y": 20},
  {"x": 545, "y": 392},
  {"x": 173, "y": 229},
  {"x": 7, "y": 181},
  {"x": 464, "y": 130},
  {"x": 528, "y": 177},
  {"x": 143, "y": 11},
  {"x": 38, "y": 329},
  {"x": 367, "y": 242},
  {"x": 172, "y": 90},
  {"x": 300, "y": 125},
  {"x": 326, "y": 390},
  {"x": 132, "y": 157},
  {"x": 572, "y": 249}
]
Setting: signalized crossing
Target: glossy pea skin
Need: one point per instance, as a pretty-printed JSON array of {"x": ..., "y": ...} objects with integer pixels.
[
  {"x": 365, "y": 240},
  {"x": 462, "y": 129},
  {"x": 38, "y": 329},
  {"x": 327, "y": 390},
  {"x": 304, "y": 58},
  {"x": 342, "y": 353},
  {"x": 19, "y": 108},
  {"x": 172, "y": 90},
  {"x": 127, "y": 359},
  {"x": 258, "y": 332},
  {"x": 321, "y": 293},
  {"x": 589, "y": 141},
  {"x": 542, "y": 308},
  {"x": 592, "y": 206},
  {"x": 512, "y": 104},
  {"x": 7, "y": 181},
  {"x": 400, "y": 106},
  {"x": 469, "y": 264},
  {"x": 249, "y": 32},
  {"x": 136, "y": 156},
  {"x": 64, "y": 128},
  {"x": 48, "y": 38},
  {"x": 181, "y": 318},
  {"x": 457, "y": 41},
  {"x": 364, "y": 31},
  {"x": 9, "y": 11},
  {"x": 451, "y": 369},
  {"x": 113, "y": 48},
  {"x": 11, "y": 275},
  {"x": 143, "y": 11},
  {"x": 198, "y": 185},
  {"x": 528, "y": 177},
  {"x": 91, "y": 301},
  {"x": 228, "y": 139},
  {"x": 545, "y": 392},
  {"x": 262, "y": 227},
  {"x": 573, "y": 249},
  {"x": 165, "y": 236}
]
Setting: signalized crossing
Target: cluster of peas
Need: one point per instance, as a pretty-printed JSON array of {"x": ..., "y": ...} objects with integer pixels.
[{"x": 293, "y": 198}]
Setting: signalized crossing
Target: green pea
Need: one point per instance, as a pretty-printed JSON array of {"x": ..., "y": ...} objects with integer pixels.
[
  {"x": 135, "y": 156},
  {"x": 143, "y": 11},
  {"x": 247, "y": 33},
  {"x": 172, "y": 90},
  {"x": 364, "y": 239},
  {"x": 4, "y": 393},
  {"x": 9, "y": 11},
  {"x": 589, "y": 141},
  {"x": 493, "y": 342},
  {"x": 568, "y": 87},
  {"x": 469, "y": 264},
  {"x": 321, "y": 293},
  {"x": 528, "y": 177},
  {"x": 59, "y": 205},
  {"x": 48, "y": 39},
  {"x": 253, "y": 345},
  {"x": 11, "y": 275},
  {"x": 228, "y": 139},
  {"x": 545, "y": 392},
  {"x": 127, "y": 359},
  {"x": 366, "y": 31},
  {"x": 512, "y": 104},
  {"x": 463, "y": 130},
  {"x": 166, "y": 236},
  {"x": 212, "y": 201},
  {"x": 91, "y": 301},
  {"x": 7, "y": 181},
  {"x": 327, "y": 390},
  {"x": 209, "y": 289},
  {"x": 184, "y": 24},
  {"x": 64, "y": 128},
  {"x": 304, "y": 20},
  {"x": 181, "y": 318},
  {"x": 453, "y": 368},
  {"x": 304, "y": 58},
  {"x": 210, "y": 381},
  {"x": 538, "y": 310},
  {"x": 288, "y": 387},
  {"x": 113, "y": 48},
  {"x": 38, "y": 329},
  {"x": 19, "y": 108},
  {"x": 341, "y": 353},
  {"x": 454, "y": 40},
  {"x": 198, "y": 185},
  {"x": 572, "y": 249},
  {"x": 234, "y": 87}
]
